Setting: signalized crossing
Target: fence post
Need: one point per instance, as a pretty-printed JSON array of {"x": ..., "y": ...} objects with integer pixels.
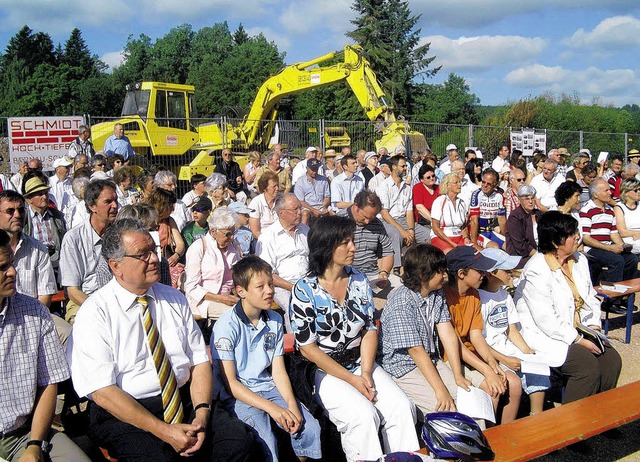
[
  {"x": 626, "y": 144},
  {"x": 321, "y": 134},
  {"x": 471, "y": 142},
  {"x": 581, "y": 139},
  {"x": 223, "y": 130}
]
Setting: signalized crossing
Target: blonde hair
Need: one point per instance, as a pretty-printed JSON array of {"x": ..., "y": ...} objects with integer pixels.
[
  {"x": 444, "y": 184},
  {"x": 254, "y": 155}
]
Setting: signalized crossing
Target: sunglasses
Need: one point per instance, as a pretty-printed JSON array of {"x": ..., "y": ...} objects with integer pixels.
[
  {"x": 12, "y": 211},
  {"x": 519, "y": 180}
]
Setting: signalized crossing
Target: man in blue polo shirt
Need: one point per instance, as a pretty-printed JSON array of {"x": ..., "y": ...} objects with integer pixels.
[{"x": 247, "y": 343}]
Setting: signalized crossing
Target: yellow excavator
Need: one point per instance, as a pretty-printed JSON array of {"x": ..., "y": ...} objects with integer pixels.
[{"x": 158, "y": 117}]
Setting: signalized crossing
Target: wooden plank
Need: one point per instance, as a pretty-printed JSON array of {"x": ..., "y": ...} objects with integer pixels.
[
  {"x": 634, "y": 285},
  {"x": 556, "y": 428}
]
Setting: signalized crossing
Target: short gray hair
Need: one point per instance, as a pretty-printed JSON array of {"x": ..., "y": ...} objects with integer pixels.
[
  {"x": 82, "y": 129},
  {"x": 215, "y": 181},
  {"x": 222, "y": 218},
  {"x": 526, "y": 190},
  {"x": 77, "y": 158},
  {"x": 163, "y": 177},
  {"x": 281, "y": 201},
  {"x": 112, "y": 245},
  {"x": 631, "y": 169},
  {"x": 594, "y": 185},
  {"x": 144, "y": 213},
  {"x": 512, "y": 173},
  {"x": 78, "y": 185}
]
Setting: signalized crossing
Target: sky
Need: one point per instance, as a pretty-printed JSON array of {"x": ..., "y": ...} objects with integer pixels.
[{"x": 506, "y": 50}]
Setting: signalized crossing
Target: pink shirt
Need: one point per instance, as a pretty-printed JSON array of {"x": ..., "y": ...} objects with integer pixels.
[{"x": 206, "y": 270}]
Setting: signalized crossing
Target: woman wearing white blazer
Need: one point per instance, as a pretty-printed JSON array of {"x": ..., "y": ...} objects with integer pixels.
[{"x": 554, "y": 296}]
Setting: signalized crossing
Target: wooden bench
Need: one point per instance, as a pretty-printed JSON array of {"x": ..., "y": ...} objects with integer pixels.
[{"x": 556, "y": 428}]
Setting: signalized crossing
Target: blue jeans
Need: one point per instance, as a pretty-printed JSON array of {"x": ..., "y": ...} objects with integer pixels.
[
  {"x": 621, "y": 266},
  {"x": 305, "y": 443}
]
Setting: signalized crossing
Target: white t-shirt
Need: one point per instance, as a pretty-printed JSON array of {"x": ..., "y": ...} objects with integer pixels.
[
  {"x": 452, "y": 217},
  {"x": 498, "y": 311}
]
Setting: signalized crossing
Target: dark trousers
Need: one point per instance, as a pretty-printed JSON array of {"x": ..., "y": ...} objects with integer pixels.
[
  {"x": 228, "y": 439},
  {"x": 586, "y": 374},
  {"x": 620, "y": 266}
]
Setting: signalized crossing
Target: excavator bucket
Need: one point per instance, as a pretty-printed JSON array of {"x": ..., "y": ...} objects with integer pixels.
[{"x": 336, "y": 137}]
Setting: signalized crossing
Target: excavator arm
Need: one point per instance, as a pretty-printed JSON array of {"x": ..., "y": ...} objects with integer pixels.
[{"x": 354, "y": 69}]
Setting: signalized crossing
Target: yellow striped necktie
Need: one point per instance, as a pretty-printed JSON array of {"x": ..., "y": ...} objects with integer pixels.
[{"x": 173, "y": 412}]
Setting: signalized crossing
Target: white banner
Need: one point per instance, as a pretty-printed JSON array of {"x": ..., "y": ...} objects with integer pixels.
[{"x": 47, "y": 138}]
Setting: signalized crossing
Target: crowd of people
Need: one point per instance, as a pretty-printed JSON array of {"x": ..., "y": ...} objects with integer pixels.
[{"x": 158, "y": 288}]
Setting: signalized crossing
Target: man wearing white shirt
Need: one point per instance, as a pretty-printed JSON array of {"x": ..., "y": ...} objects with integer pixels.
[
  {"x": 300, "y": 169},
  {"x": 546, "y": 185},
  {"x": 60, "y": 182},
  {"x": 345, "y": 186},
  {"x": 452, "y": 155},
  {"x": 284, "y": 246},
  {"x": 502, "y": 159},
  {"x": 114, "y": 359},
  {"x": 397, "y": 210}
]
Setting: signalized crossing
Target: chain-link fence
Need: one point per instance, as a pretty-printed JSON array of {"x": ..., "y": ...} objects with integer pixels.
[{"x": 296, "y": 135}]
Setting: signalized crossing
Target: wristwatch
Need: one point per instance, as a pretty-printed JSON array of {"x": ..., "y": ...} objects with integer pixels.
[
  {"x": 206, "y": 406},
  {"x": 44, "y": 445}
]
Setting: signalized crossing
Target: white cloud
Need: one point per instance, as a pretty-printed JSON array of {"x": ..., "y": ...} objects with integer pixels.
[
  {"x": 317, "y": 20},
  {"x": 611, "y": 34},
  {"x": 478, "y": 13},
  {"x": 113, "y": 59},
  {"x": 484, "y": 52},
  {"x": 59, "y": 18},
  {"x": 617, "y": 86},
  {"x": 282, "y": 41}
]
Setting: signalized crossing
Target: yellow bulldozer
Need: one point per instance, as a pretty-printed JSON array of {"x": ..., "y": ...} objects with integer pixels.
[{"x": 159, "y": 117}]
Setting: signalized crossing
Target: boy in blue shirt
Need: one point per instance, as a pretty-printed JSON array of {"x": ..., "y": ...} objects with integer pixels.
[{"x": 247, "y": 343}]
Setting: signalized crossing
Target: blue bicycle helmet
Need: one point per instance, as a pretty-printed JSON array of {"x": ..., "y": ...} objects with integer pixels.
[{"x": 451, "y": 435}]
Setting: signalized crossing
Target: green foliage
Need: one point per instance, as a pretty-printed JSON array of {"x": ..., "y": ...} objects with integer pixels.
[
  {"x": 386, "y": 31},
  {"x": 450, "y": 102}
]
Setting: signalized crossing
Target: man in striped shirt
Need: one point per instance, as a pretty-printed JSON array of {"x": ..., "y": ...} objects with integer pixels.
[{"x": 601, "y": 238}]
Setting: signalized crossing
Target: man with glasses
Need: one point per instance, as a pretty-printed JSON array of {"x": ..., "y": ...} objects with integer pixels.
[
  {"x": 546, "y": 185},
  {"x": 231, "y": 170},
  {"x": 487, "y": 215},
  {"x": 34, "y": 273},
  {"x": 82, "y": 144},
  {"x": 81, "y": 246},
  {"x": 580, "y": 161},
  {"x": 44, "y": 223},
  {"x": 35, "y": 364},
  {"x": 284, "y": 246},
  {"x": 511, "y": 199},
  {"x": 138, "y": 355}
]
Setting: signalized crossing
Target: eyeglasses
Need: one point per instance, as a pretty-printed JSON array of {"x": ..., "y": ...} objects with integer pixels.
[
  {"x": 146, "y": 256},
  {"x": 519, "y": 180},
  {"x": 228, "y": 234},
  {"x": 12, "y": 211},
  {"x": 430, "y": 177},
  {"x": 99, "y": 165}
]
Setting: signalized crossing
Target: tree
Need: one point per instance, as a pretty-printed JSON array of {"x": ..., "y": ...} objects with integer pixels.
[
  {"x": 240, "y": 36},
  {"x": 76, "y": 54},
  {"x": 386, "y": 31},
  {"x": 32, "y": 49},
  {"x": 451, "y": 102},
  {"x": 171, "y": 55},
  {"x": 137, "y": 60}
]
